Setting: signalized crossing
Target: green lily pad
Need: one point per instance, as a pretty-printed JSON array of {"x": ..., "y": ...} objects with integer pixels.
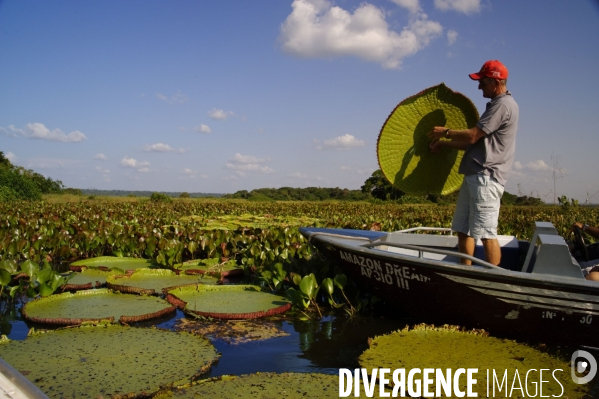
[
  {"x": 114, "y": 262},
  {"x": 87, "y": 279},
  {"x": 94, "y": 305},
  {"x": 153, "y": 281},
  {"x": 228, "y": 301},
  {"x": 403, "y": 146},
  {"x": 109, "y": 360},
  {"x": 211, "y": 266},
  {"x": 264, "y": 385},
  {"x": 455, "y": 348}
]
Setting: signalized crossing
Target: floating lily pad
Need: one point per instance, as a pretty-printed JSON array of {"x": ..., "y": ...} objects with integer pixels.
[
  {"x": 114, "y": 262},
  {"x": 211, "y": 266},
  {"x": 102, "y": 361},
  {"x": 454, "y": 348},
  {"x": 153, "y": 281},
  {"x": 264, "y": 385},
  {"x": 87, "y": 279},
  {"x": 228, "y": 301},
  {"x": 403, "y": 146},
  {"x": 94, "y": 305},
  {"x": 232, "y": 331}
]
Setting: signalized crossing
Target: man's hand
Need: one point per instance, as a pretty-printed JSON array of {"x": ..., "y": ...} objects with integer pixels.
[
  {"x": 437, "y": 133},
  {"x": 435, "y": 146}
]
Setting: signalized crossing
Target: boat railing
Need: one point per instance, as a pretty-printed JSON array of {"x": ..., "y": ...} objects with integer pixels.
[
  {"x": 422, "y": 228},
  {"x": 422, "y": 250}
]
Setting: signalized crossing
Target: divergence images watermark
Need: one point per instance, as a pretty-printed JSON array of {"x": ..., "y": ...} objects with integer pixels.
[{"x": 430, "y": 382}]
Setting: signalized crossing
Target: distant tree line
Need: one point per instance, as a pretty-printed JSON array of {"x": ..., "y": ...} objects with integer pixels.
[
  {"x": 131, "y": 193},
  {"x": 18, "y": 183},
  {"x": 300, "y": 194}
]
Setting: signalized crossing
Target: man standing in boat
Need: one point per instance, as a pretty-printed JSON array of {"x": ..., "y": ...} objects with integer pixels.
[{"x": 489, "y": 153}]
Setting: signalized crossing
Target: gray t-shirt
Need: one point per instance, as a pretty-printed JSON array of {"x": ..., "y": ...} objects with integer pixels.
[{"x": 493, "y": 154}]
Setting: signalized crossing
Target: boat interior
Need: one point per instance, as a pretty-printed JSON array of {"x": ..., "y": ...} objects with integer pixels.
[{"x": 547, "y": 252}]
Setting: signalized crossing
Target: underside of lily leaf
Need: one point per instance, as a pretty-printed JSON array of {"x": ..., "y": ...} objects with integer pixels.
[
  {"x": 211, "y": 266},
  {"x": 153, "y": 281},
  {"x": 455, "y": 348},
  {"x": 109, "y": 361},
  {"x": 403, "y": 146},
  {"x": 228, "y": 301},
  {"x": 111, "y": 262},
  {"x": 95, "y": 305}
]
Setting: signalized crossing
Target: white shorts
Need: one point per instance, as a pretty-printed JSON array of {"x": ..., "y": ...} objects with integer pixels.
[
  {"x": 477, "y": 210},
  {"x": 589, "y": 266}
]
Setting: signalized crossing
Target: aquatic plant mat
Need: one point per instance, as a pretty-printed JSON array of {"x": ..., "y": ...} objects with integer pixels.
[
  {"x": 111, "y": 262},
  {"x": 233, "y": 332},
  {"x": 449, "y": 347},
  {"x": 228, "y": 301},
  {"x": 153, "y": 281},
  {"x": 234, "y": 222},
  {"x": 95, "y": 305},
  {"x": 403, "y": 146},
  {"x": 263, "y": 386},
  {"x": 100, "y": 361}
]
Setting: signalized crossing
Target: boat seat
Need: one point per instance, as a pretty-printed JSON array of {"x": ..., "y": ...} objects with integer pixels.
[
  {"x": 540, "y": 228},
  {"x": 553, "y": 257}
]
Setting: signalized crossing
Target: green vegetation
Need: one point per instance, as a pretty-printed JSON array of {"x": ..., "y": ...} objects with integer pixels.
[{"x": 300, "y": 194}]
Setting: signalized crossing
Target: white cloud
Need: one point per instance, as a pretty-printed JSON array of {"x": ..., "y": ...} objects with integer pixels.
[
  {"x": 298, "y": 175},
  {"x": 463, "y": 6},
  {"x": 203, "y": 129},
  {"x": 538, "y": 165},
  {"x": 135, "y": 164},
  {"x": 248, "y": 163},
  {"x": 412, "y": 5},
  {"x": 100, "y": 157},
  {"x": 316, "y": 28},
  {"x": 177, "y": 98},
  {"x": 40, "y": 131},
  {"x": 344, "y": 142},
  {"x": 158, "y": 147},
  {"x": 452, "y": 36},
  {"x": 103, "y": 171},
  {"x": 10, "y": 156},
  {"x": 219, "y": 114}
]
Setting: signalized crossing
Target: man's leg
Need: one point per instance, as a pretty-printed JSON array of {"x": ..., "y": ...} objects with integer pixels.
[
  {"x": 492, "y": 250},
  {"x": 466, "y": 246}
]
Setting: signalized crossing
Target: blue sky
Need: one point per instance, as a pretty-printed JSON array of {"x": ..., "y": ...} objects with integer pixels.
[{"x": 220, "y": 96}]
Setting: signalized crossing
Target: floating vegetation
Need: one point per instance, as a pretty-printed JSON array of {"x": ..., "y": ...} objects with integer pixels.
[
  {"x": 88, "y": 278},
  {"x": 403, "y": 146},
  {"x": 112, "y": 262},
  {"x": 153, "y": 281},
  {"x": 95, "y": 305},
  {"x": 108, "y": 360},
  {"x": 228, "y": 301},
  {"x": 234, "y": 222},
  {"x": 263, "y": 385},
  {"x": 232, "y": 331},
  {"x": 450, "y": 347},
  {"x": 211, "y": 266}
]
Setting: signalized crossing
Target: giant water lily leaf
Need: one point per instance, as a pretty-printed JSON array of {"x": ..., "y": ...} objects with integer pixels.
[
  {"x": 232, "y": 331},
  {"x": 455, "y": 348},
  {"x": 228, "y": 301},
  {"x": 211, "y": 266},
  {"x": 111, "y": 262},
  {"x": 267, "y": 385},
  {"x": 88, "y": 278},
  {"x": 94, "y": 305},
  {"x": 101, "y": 361},
  {"x": 403, "y": 146},
  {"x": 153, "y": 281}
]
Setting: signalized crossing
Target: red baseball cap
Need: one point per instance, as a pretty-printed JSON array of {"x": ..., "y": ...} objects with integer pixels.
[{"x": 491, "y": 69}]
